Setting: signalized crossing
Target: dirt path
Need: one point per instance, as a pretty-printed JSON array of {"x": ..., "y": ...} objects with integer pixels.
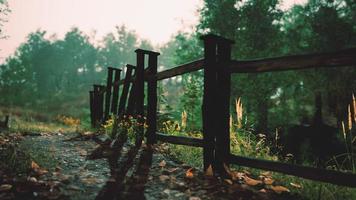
[
  {"x": 66, "y": 160},
  {"x": 151, "y": 175}
]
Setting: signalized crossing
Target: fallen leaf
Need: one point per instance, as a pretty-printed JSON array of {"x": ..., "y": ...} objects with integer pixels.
[
  {"x": 237, "y": 175},
  {"x": 162, "y": 163},
  {"x": 209, "y": 171},
  {"x": 267, "y": 180},
  {"x": 296, "y": 185},
  {"x": 5, "y": 187},
  {"x": 262, "y": 190},
  {"x": 41, "y": 172},
  {"x": 189, "y": 173},
  {"x": 34, "y": 165},
  {"x": 229, "y": 181},
  {"x": 173, "y": 169},
  {"x": 251, "y": 182},
  {"x": 194, "y": 198},
  {"x": 279, "y": 189}
]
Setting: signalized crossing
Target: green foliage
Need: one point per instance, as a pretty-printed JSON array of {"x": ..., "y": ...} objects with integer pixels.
[
  {"x": 56, "y": 74},
  {"x": 4, "y": 11}
]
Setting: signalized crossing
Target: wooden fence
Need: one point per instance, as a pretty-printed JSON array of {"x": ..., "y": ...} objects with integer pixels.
[{"x": 218, "y": 67}]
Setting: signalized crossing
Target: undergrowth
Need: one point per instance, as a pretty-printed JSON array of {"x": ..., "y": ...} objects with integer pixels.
[{"x": 245, "y": 142}]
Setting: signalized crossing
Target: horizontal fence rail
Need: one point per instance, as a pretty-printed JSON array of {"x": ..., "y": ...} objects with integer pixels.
[
  {"x": 332, "y": 59},
  {"x": 169, "y": 73},
  {"x": 188, "y": 141},
  {"x": 329, "y": 176},
  {"x": 181, "y": 69}
]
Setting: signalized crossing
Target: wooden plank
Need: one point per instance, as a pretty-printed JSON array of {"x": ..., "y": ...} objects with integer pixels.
[
  {"x": 98, "y": 109},
  {"x": 328, "y": 176},
  {"x": 115, "y": 94},
  {"x": 131, "y": 102},
  {"x": 169, "y": 73},
  {"x": 101, "y": 103},
  {"x": 194, "y": 142},
  {"x": 91, "y": 106},
  {"x": 140, "y": 59},
  {"x": 108, "y": 93},
  {"x": 209, "y": 101},
  {"x": 181, "y": 69},
  {"x": 344, "y": 57},
  {"x": 222, "y": 115},
  {"x": 125, "y": 89},
  {"x": 152, "y": 100}
]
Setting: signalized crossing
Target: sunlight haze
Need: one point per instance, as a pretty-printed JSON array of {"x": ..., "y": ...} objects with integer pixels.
[{"x": 155, "y": 20}]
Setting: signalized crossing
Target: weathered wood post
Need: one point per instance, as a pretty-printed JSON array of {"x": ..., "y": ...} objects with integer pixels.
[
  {"x": 95, "y": 104},
  {"x": 222, "y": 146},
  {"x": 139, "y": 93},
  {"x": 152, "y": 98},
  {"x": 209, "y": 107},
  {"x": 99, "y": 103},
  {"x": 216, "y": 102},
  {"x": 132, "y": 100},
  {"x": 125, "y": 90},
  {"x": 91, "y": 106},
  {"x": 115, "y": 94},
  {"x": 108, "y": 93}
]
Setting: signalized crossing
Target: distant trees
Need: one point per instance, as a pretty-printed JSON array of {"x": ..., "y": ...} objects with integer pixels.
[
  {"x": 262, "y": 29},
  {"x": 321, "y": 26},
  {"x": 4, "y": 10},
  {"x": 45, "y": 72},
  {"x": 54, "y": 69}
]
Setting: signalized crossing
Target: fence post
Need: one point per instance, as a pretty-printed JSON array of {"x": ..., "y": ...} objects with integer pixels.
[
  {"x": 139, "y": 93},
  {"x": 98, "y": 104},
  {"x": 108, "y": 93},
  {"x": 222, "y": 146},
  {"x": 125, "y": 89},
  {"x": 92, "y": 111},
  {"x": 152, "y": 98},
  {"x": 131, "y": 104},
  {"x": 208, "y": 107},
  {"x": 115, "y": 94}
]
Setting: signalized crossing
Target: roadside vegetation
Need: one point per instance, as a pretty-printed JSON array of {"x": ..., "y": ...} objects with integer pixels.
[{"x": 44, "y": 89}]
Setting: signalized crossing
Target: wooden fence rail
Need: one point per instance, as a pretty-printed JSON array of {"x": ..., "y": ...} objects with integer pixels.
[
  {"x": 328, "y": 176},
  {"x": 218, "y": 67},
  {"x": 331, "y": 59}
]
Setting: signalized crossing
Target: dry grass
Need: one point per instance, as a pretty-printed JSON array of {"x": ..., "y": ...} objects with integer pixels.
[{"x": 24, "y": 120}]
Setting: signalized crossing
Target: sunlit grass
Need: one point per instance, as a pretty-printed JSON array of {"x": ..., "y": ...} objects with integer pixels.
[{"x": 25, "y": 120}]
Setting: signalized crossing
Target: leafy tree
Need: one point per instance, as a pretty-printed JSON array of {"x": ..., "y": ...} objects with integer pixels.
[
  {"x": 189, "y": 48},
  {"x": 322, "y": 26},
  {"x": 255, "y": 27},
  {"x": 4, "y": 10}
]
